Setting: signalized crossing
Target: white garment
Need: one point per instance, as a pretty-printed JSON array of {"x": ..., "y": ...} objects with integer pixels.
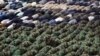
[
  {"x": 11, "y": 26},
  {"x": 59, "y": 19},
  {"x": 24, "y": 4},
  {"x": 11, "y": 11},
  {"x": 35, "y": 22},
  {"x": 20, "y": 14},
  {"x": 27, "y": 21},
  {"x": 16, "y": 0},
  {"x": 69, "y": 15},
  {"x": 24, "y": 18},
  {"x": 33, "y": 3},
  {"x": 90, "y": 18},
  {"x": 6, "y": 21},
  {"x": 35, "y": 16},
  {"x": 2, "y": 2},
  {"x": 73, "y": 21}
]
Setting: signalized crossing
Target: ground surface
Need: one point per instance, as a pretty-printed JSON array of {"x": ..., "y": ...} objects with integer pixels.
[{"x": 81, "y": 39}]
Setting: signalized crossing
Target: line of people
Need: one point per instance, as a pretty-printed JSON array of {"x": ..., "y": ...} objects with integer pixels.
[
  {"x": 31, "y": 15},
  {"x": 93, "y": 3}
]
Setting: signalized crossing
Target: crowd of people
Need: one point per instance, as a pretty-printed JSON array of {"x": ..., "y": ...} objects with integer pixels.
[{"x": 16, "y": 13}]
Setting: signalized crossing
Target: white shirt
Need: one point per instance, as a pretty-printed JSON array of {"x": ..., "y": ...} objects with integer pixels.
[
  {"x": 27, "y": 21},
  {"x": 73, "y": 21},
  {"x": 24, "y": 18},
  {"x": 6, "y": 21},
  {"x": 11, "y": 26},
  {"x": 90, "y": 18},
  {"x": 24, "y": 4},
  {"x": 20, "y": 14},
  {"x": 16, "y": 0},
  {"x": 59, "y": 19},
  {"x": 11, "y": 11},
  {"x": 35, "y": 16},
  {"x": 2, "y": 2},
  {"x": 33, "y": 3},
  {"x": 35, "y": 22},
  {"x": 69, "y": 15}
]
